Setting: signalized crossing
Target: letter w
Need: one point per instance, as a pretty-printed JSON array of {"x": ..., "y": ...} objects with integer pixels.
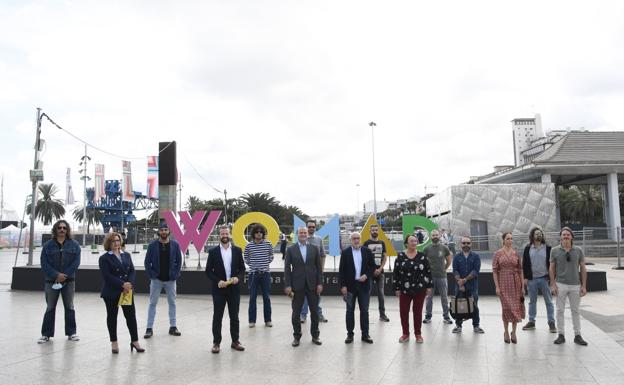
[{"x": 192, "y": 224}]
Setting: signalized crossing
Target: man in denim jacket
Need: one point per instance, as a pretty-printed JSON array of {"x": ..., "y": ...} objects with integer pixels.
[
  {"x": 60, "y": 258},
  {"x": 466, "y": 266}
]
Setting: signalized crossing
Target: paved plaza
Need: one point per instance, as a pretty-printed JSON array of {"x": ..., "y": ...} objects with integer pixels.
[{"x": 444, "y": 358}]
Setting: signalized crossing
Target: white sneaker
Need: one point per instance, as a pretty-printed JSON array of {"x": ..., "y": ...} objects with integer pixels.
[
  {"x": 73, "y": 337},
  {"x": 252, "y": 324},
  {"x": 43, "y": 340},
  {"x": 268, "y": 324}
]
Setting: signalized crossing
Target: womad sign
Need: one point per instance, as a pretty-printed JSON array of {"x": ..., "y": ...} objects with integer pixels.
[{"x": 188, "y": 229}]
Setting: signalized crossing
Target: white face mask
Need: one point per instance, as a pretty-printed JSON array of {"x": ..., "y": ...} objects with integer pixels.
[{"x": 57, "y": 286}]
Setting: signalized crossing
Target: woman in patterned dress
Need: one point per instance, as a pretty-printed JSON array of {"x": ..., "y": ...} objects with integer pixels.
[
  {"x": 509, "y": 281},
  {"x": 412, "y": 283}
]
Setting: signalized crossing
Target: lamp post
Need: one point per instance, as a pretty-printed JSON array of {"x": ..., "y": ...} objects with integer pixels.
[
  {"x": 372, "y": 126},
  {"x": 35, "y": 176}
]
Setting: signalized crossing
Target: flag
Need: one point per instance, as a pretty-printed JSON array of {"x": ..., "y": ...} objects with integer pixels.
[
  {"x": 99, "y": 184},
  {"x": 152, "y": 177},
  {"x": 127, "y": 193},
  {"x": 69, "y": 192}
]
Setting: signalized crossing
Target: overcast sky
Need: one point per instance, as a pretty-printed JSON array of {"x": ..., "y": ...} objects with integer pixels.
[{"x": 275, "y": 96}]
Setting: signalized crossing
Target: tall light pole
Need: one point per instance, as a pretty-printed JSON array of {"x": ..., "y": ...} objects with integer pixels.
[
  {"x": 372, "y": 126},
  {"x": 84, "y": 177},
  {"x": 36, "y": 174}
]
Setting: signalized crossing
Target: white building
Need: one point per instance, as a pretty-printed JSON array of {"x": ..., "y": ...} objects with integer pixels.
[{"x": 525, "y": 131}]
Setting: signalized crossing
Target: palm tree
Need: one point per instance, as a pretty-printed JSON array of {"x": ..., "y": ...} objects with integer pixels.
[
  {"x": 93, "y": 216},
  {"x": 581, "y": 204},
  {"x": 262, "y": 202},
  {"x": 48, "y": 209}
]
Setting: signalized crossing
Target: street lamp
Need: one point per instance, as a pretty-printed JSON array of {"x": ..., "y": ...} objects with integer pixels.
[{"x": 372, "y": 126}]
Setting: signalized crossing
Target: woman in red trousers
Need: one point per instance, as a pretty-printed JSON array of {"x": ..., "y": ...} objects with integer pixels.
[{"x": 412, "y": 283}]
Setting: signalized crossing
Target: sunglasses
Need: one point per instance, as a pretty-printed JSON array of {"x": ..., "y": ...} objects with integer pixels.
[
  {"x": 567, "y": 256},
  {"x": 311, "y": 227},
  {"x": 466, "y": 243},
  {"x": 61, "y": 228}
]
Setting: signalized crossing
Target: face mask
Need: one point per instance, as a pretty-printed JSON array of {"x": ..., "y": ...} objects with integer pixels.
[{"x": 57, "y": 286}]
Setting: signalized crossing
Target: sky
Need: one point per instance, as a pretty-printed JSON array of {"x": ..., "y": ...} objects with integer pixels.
[{"x": 274, "y": 96}]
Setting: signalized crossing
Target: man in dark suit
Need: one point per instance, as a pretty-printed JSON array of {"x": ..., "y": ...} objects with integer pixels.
[
  {"x": 225, "y": 268},
  {"x": 355, "y": 272},
  {"x": 303, "y": 277}
]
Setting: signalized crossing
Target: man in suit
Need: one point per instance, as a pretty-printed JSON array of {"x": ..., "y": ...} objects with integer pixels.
[
  {"x": 225, "y": 268},
  {"x": 303, "y": 277},
  {"x": 355, "y": 272}
]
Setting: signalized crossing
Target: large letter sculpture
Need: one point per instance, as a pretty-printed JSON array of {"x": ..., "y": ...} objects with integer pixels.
[
  {"x": 191, "y": 227},
  {"x": 414, "y": 223},
  {"x": 331, "y": 229},
  {"x": 238, "y": 230},
  {"x": 390, "y": 250}
]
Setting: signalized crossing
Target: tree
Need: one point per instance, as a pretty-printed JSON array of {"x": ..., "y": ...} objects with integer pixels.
[
  {"x": 93, "y": 216},
  {"x": 48, "y": 209},
  {"x": 581, "y": 204}
]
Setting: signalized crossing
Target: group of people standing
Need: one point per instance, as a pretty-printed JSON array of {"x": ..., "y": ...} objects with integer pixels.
[{"x": 558, "y": 271}]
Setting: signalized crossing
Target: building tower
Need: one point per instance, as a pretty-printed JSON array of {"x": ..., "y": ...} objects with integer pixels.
[{"x": 525, "y": 131}]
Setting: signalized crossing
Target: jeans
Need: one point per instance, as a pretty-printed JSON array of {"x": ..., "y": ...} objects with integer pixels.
[
  {"x": 540, "y": 284},
  {"x": 52, "y": 296},
  {"x": 379, "y": 282},
  {"x": 405, "y": 300},
  {"x": 574, "y": 293},
  {"x": 361, "y": 292},
  {"x": 298, "y": 299},
  {"x": 129, "y": 312},
  {"x": 441, "y": 286},
  {"x": 262, "y": 279},
  {"x": 156, "y": 286},
  {"x": 304, "y": 309},
  {"x": 220, "y": 297},
  {"x": 475, "y": 313}
]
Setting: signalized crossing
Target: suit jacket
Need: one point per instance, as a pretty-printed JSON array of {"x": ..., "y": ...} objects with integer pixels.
[
  {"x": 346, "y": 270},
  {"x": 299, "y": 274},
  {"x": 215, "y": 269},
  {"x": 115, "y": 274}
]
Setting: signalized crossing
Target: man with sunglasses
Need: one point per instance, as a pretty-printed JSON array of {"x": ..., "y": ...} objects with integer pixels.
[
  {"x": 566, "y": 260},
  {"x": 163, "y": 262},
  {"x": 258, "y": 256},
  {"x": 60, "y": 258},
  {"x": 317, "y": 241},
  {"x": 466, "y": 267}
]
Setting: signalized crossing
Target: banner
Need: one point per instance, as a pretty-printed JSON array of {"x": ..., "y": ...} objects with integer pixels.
[
  {"x": 99, "y": 184},
  {"x": 127, "y": 193},
  {"x": 69, "y": 193},
  {"x": 152, "y": 177}
]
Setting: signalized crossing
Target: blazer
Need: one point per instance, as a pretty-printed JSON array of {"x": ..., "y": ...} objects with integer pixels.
[
  {"x": 115, "y": 274},
  {"x": 346, "y": 269},
  {"x": 215, "y": 269},
  {"x": 527, "y": 268},
  {"x": 299, "y": 274},
  {"x": 152, "y": 259}
]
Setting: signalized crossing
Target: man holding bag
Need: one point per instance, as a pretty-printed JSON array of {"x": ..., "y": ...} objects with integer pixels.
[{"x": 466, "y": 266}]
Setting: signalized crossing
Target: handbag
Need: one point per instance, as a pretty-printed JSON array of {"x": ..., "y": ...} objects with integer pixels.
[{"x": 461, "y": 307}]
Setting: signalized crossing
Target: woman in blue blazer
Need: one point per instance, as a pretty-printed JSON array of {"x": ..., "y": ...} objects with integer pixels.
[{"x": 118, "y": 276}]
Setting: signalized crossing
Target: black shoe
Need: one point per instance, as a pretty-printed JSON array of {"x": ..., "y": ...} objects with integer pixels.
[
  {"x": 448, "y": 321},
  {"x": 148, "y": 333},
  {"x": 317, "y": 341},
  {"x": 384, "y": 318},
  {"x": 559, "y": 340},
  {"x": 529, "y": 326},
  {"x": 427, "y": 320},
  {"x": 134, "y": 347},
  {"x": 295, "y": 342},
  {"x": 322, "y": 318},
  {"x": 367, "y": 339},
  {"x": 174, "y": 331},
  {"x": 579, "y": 340},
  {"x": 349, "y": 339},
  {"x": 551, "y": 327}
]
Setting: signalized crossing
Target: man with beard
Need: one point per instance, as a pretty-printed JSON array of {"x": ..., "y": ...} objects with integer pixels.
[
  {"x": 163, "y": 262},
  {"x": 225, "y": 268},
  {"x": 317, "y": 241},
  {"x": 466, "y": 266},
  {"x": 439, "y": 257},
  {"x": 535, "y": 264},
  {"x": 378, "y": 247}
]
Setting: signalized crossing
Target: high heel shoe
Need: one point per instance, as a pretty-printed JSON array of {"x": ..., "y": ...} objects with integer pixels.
[
  {"x": 139, "y": 350},
  {"x": 506, "y": 338},
  {"x": 513, "y": 338}
]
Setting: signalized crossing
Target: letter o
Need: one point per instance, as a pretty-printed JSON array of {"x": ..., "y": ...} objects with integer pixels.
[{"x": 238, "y": 229}]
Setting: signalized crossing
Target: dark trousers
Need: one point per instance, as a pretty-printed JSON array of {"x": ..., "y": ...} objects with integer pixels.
[
  {"x": 297, "y": 304},
  {"x": 361, "y": 293},
  {"x": 52, "y": 296},
  {"x": 111, "y": 318},
  {"x": 262, "y": 280},
  {"x": 220, "y": 297},
  {"x": 405, "y": 301}
]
